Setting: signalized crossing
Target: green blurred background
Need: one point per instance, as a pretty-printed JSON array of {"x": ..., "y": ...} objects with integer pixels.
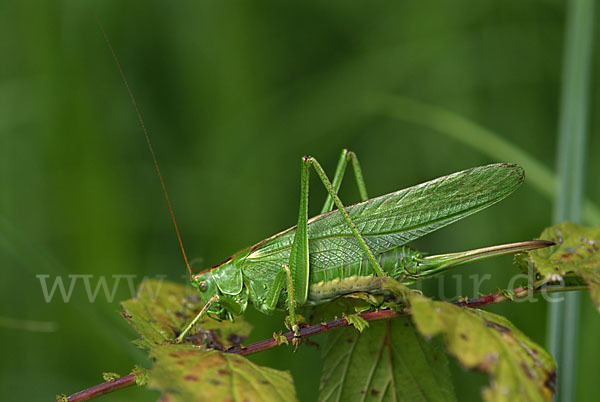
[{"x": 234, "y": 93}]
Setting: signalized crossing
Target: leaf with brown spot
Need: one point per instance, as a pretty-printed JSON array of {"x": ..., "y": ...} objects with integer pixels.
[
  {"x": 519, "y": 369},
  {"x": 161, "y": 310},
  {"x": 577, "y": 253},
  {"x": 387, "y": 361},
  {"x": 186, "y": 373}
]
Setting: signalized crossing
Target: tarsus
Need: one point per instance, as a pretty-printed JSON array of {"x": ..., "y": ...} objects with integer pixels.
[{"x": 139, "y": 115}]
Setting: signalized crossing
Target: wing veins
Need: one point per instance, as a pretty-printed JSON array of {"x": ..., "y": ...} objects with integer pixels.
[{"x": 377, "y": 218}]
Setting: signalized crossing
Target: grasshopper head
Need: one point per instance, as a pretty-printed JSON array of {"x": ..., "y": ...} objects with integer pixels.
[
  {"x": 222, "y": 287},
  {"x": 207, "y": 288}
]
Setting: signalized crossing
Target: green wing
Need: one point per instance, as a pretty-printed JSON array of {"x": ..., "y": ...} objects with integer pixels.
[{"x": 390, "y": 220}]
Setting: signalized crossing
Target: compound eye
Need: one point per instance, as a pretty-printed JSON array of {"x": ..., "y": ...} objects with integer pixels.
[{"x": 203, "y": 286}]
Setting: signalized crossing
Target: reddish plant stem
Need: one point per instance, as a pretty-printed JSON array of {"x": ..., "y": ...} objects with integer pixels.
[
  {"x": 491, "y": 299},
  {"x": 312, "y": 330},
  {"x": 305, "y": 332},
  {"x": 103, "y": 388},
  {"x": 374, "y": 316}
]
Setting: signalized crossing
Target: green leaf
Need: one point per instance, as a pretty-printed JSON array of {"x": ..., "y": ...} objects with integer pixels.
[
  {"x": 577, "y": 253},
  {"x": 161, "y": 309},
  {"x": 356, "y": 321},
  {"x": 388, "y": 362},
  {"x": 186, "y": 373},
  {"x": 110, "y": 376},
  {"x": 280, "y": 339},
  {"x": 142, "y": 375},
  {"x": 508, "y": 293},
  {"x": 519, "y": 368}
]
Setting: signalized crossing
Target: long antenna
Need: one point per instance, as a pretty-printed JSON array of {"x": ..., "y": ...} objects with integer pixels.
[{"x": 139, "y": 115}]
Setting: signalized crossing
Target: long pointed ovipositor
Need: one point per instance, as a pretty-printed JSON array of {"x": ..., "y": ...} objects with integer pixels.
[{"x": 437, "y": 263}]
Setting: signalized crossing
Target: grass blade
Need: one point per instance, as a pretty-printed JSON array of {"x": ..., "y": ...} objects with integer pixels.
[
  {"x": 479, "y": 138},
  {"x": 563, "y": 321}
]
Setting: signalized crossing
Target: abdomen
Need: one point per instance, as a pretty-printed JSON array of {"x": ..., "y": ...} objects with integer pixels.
[{"x": 330, "y": 282}]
